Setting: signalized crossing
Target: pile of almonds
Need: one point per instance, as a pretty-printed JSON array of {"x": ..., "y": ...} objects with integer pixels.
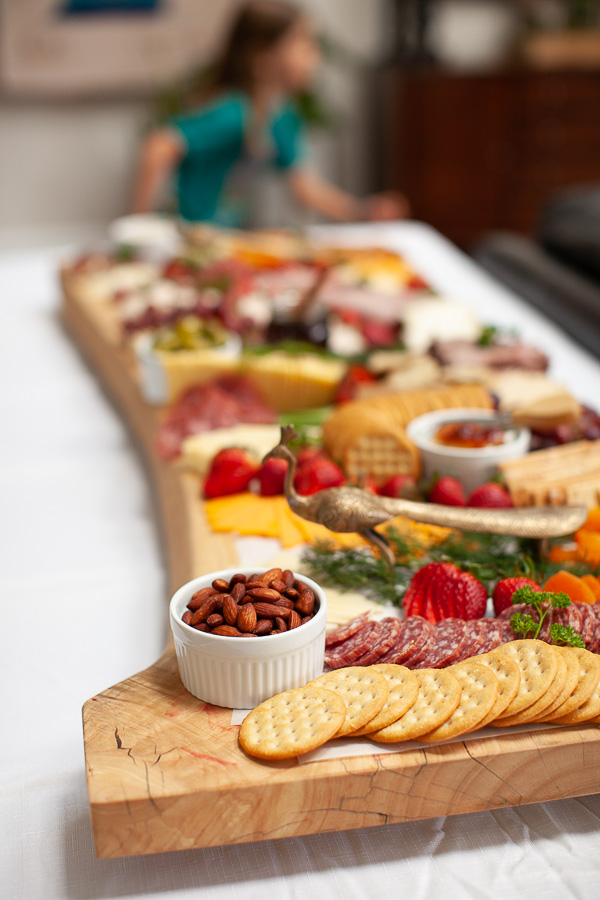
[{"x": 251, "y": 606}]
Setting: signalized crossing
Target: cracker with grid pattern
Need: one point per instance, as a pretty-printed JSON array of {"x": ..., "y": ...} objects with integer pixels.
[
  {"x": 538, "y": 663},
  {"x": 479, "y": 693},
  {"x": 530, "y": 713},
  {"x": 589, "y": 677},
  {"x": 292, "y": 723},
  {"x": 403, "y": 688},
  {"x": 438, "y": 697},
  {"x": 363, "y": 690},
  {"x": 508, "y": 674}
]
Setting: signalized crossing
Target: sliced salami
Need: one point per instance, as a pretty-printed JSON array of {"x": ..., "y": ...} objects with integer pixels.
[
  {"x": 493, "y": 636},
  {"x": 477, "y": 634},
  {"x": 588, "y": 625},
  {"x": 594, "y": 644},
  {"x": 413, "y": 638},
  {"x": 423, "y": 635},
  {"x": 390, "y": 629},
  {"x": 345, "y": 654},
  {"x": 451, "y": 639},
  {"x": 339, "y": 635}
]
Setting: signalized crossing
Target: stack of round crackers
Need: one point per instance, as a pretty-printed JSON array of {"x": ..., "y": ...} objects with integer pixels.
[{"x": 519, "y": 682}]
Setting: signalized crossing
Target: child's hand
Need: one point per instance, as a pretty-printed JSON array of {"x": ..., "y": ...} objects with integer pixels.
[{"x": 387, "y": 206}]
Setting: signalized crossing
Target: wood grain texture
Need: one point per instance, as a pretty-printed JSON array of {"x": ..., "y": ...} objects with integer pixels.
[{"x": 164, "y": 769}]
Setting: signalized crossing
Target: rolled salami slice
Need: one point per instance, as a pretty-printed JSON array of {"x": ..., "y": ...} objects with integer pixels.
[
  {"x": 451, "y": 639},
  {"x": 345, "y": 654},
  {"x": 389, "y": 630},
  {"x": 339, "y": 635}
]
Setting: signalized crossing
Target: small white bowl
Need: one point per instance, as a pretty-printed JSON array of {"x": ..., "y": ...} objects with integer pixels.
[
  {"x": 239, "y": 672},
  {"x": 472, "y": 466}
]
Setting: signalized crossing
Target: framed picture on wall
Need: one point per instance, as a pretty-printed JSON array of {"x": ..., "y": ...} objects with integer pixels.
[{"x": 86, "y": 48}]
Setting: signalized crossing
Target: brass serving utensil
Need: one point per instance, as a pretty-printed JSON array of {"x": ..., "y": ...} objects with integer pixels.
[{"x": 352, "y": 509}]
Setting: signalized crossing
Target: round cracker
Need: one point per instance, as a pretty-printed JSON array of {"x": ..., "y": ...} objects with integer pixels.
[
  {"x": 478, "y": 695},
  {"x": 544, "y": 702},
  {"x": 438, "y": 697},
  {"x": 589, "y": 677},
  {"x": 292, "y": 723},
  {"x": 508, "y": 675},
  {"x": 403, "y": 688},
  {"x": 571, "y": 681},
  {"x": 363, "y": 690},
  {"x": 538, "y": 663}
]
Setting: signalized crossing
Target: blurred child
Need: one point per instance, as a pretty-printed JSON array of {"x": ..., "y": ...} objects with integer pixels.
[{"x": 247, "y": 123}]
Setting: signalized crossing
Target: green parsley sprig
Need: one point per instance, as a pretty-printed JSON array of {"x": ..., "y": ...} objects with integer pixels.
[{"x": 541, "y": 602}]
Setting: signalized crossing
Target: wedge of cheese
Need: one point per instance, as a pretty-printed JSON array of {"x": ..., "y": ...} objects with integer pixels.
[
  {"x": 287, "y": 382},
  {"x": 199, "y": 450}
]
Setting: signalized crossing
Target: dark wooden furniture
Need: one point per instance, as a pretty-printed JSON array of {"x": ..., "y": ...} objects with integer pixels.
[{"x": 476, "y": 152}]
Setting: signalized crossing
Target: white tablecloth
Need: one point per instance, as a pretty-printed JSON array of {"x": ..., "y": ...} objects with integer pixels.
[{"x": 81, "y": 561}]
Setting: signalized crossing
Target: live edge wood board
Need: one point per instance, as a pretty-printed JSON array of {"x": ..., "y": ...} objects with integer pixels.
[{"x": 164, "y": 770}]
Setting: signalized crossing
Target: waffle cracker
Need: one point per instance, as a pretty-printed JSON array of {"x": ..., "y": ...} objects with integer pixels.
[
  {"x": 479, "y": 693},
  {"x": 508, "y": 675},
  {"x": 363, "y": 690},
  {"x": 538, "y": 663},
  {"x": 571, "y": 682},
  {"x": 589, "y": 679},
  {"x": 438, "y": 697},
  {"x": 403, "y": 688},
  {"x": 543, "y": 703},
  {"x": 292, "y": 723}
]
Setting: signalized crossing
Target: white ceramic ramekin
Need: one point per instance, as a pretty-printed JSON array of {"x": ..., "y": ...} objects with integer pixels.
[
  {"x": 472, "y": 466},
  {"x": 240, "y": 672}
]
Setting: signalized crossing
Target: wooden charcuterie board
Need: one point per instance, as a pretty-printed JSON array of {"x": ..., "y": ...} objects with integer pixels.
[{"x": 164, "y": 770}]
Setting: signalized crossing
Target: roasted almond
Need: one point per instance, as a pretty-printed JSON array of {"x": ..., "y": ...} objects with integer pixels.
[
  {"x": 263, "y": 593},
  {"x": 305, "y": 603},
  {"x": 199, "y": 597},
  {"x": 230, "y": 609},
  {"x": 306, "y": 619},
  {"x": 186, "y": 617},
  {"x": 219, "y": 602},
  {"x": 227, "y": 631},
  {"x": 288, "y": 578},
  {"x": 278, "y": 585},
  {"x": 271, "y": 575},
  {"x": 204, "y": 611},
  {"x": 289, "y": 604},
  {"x": 237, "y": 591},
  {"x": 214, "y": 620},
  {"x": 221, "y": 585},
  {"x": 292, "y": 593},
  {"x": 263, "y": 626},
  {"x": 202, "y": 626},
  {"x": 269, "y": 610},
  {"x": 248, "y": 634},
  {"x": 294, "y": 620},
  {"x": 279, "y": 623},
  {"x": 276, "y": 631},
  {"x": 246, "y": 617},
  {"x": 237, "y": 579}
]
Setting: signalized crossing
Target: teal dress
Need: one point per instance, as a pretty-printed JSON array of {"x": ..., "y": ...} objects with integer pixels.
[{"x": 217, "y": 171}]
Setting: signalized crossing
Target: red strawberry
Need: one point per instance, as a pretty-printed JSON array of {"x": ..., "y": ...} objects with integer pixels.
[
  {"x": 490, "y": 496},
  {"x": 271, "y": 476},
  {"x": 504, "y": 590},
  {"x": 399, "y": 486},
  {"x": 317, "y": 474},
  {"x": 415, "y": 595},
  {"x": 231, "y": 471},
  {"x": 449, "y": 492},
  {"x": 430, "y": 591},
  {"x": 348, "y": 387},
  {"x": 470, "y": 597},
  {"x": 308, "y": 453}
]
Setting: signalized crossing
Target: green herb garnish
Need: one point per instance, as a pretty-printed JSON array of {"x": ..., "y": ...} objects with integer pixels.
[{"x": 541, "y": 602}]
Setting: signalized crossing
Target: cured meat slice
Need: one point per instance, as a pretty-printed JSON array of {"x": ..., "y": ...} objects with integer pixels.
[
  {"x": 390, "y": 629},
  {"x": 594, "y": 644},
  {"x": 588, "y": 625},
  {"x": 345, "y": 654},
  {"x": 449, "y": 643},
  {"x": 422, "y": 636},
  {"x": 414, "y": 636},
  {"x": 477, "y": 633},
  {"x": 338, "y": 635},
  {"x": 493, "y": 636}
]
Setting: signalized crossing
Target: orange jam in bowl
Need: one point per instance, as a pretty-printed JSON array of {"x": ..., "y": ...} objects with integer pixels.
[{"x": 469, "y": 435}]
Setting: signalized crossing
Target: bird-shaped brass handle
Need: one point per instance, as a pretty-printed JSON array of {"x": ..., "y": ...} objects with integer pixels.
[{"x": 352, "y": 509}]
